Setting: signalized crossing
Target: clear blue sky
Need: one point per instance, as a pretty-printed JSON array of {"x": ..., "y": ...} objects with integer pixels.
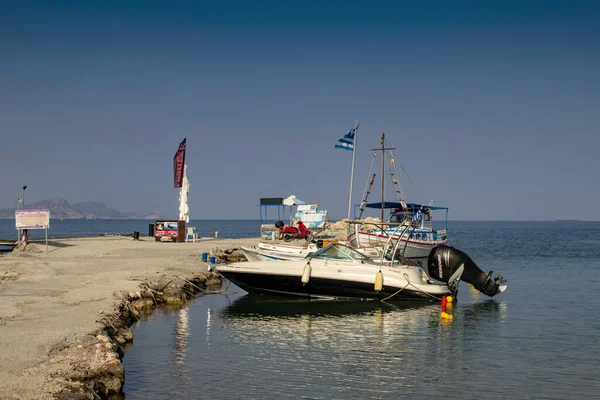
[{"x": 494, "y": 107}]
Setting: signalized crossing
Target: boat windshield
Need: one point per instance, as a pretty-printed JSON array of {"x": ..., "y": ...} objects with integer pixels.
[{"x": 338, "y": 251}]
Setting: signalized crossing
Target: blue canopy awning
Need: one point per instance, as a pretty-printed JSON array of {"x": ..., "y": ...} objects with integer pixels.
[{"x": 411, "y": 206}]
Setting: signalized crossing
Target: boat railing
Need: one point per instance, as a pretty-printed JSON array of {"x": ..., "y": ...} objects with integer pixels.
[{"x": 393, "y": 243}]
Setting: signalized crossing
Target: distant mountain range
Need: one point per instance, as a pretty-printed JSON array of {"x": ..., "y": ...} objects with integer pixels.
[{"x": 60, "y": 208}]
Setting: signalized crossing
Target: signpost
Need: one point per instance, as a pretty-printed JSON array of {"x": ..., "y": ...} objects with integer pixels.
[{"x": 33, "y": 219}]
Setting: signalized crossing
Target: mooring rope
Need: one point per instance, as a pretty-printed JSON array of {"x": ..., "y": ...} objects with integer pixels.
[
  {"x": 389, "y": 297},
  {"x": 409, "y": 283}
]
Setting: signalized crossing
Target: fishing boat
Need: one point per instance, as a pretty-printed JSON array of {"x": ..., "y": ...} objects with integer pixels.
[
  {"x": 337, "y": 271},
  {"x": 304, "y": 234},
  {"x": 313, "y": 217},
  {"x": 408, "y": 223}
]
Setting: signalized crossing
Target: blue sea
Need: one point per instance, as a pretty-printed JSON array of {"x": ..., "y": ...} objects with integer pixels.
[
  {"x": 100, "y": 227},
  {"x": 538, "y": 340}
]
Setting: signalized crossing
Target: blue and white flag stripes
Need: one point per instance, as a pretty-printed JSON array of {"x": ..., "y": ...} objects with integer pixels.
[
  {"x": 417, "y": 214},
  {"x": 347, "y": 141}
]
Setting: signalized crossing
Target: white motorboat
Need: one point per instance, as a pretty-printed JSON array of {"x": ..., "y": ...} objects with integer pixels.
[
  {"x": 278, "y": 250},
  {"x": 338, "y": 271}
]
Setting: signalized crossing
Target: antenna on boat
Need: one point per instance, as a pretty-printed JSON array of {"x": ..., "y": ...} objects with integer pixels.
[{"x": 383, "y": 149}]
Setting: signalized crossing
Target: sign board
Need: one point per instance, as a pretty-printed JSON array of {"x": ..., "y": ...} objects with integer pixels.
[
  {"x": 32, "y": 219},
  {"x": 267, "y": 201},
  {"x": 166, "y": 230}
]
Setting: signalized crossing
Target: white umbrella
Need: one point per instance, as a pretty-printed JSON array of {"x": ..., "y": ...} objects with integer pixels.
[
  {"x": 293, "y": 201},
  {"x": 184, "y": 210}
]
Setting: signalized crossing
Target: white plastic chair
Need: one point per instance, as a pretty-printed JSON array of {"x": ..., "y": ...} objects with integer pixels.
[{"x": 190, "y": 231}]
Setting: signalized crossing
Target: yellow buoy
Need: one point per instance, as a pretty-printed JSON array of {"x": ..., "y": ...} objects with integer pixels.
[
  {"x": 472, "y": 289},
  {"x": 379, "y": 281},
  {"x": 445, "y": 315},
  {"x": 306, "y": 274},
  {"x": 448, "y": 299}
]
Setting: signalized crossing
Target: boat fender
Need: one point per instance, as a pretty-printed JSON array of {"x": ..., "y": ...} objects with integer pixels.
[
  {"x": 379, "y": 281},
  {"x": 306, "y": 274}
]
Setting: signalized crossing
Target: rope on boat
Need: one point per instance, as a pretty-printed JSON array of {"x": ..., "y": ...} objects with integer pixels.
[
  {"x": 389, "y": 297},
  {"x": 409, "y": 283},
  {"x": 419, "y": 290}
]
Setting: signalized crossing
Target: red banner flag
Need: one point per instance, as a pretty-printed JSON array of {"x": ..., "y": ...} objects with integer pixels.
[{"x": 178, "y": 163}]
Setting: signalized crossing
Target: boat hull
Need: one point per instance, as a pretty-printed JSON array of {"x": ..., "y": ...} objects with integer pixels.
[
  {"x": 331, "y": 280},
  {"x": 319, "y": 288},
  {"x": 413, "y": 249}
]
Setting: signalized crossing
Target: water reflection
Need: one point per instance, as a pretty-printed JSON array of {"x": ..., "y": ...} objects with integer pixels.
[
  {"x": 264, "y": 347},
  {"x": 182, "y": 331},
  {"x": 366, "y": 345},
  {"x": 348, "y": 325},
  {"x": 267, "y": 308}
]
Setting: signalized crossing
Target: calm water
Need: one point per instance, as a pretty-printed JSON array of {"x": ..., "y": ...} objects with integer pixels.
[
  {"x": 80, "y": 227},
  {"x": 540, "y": 339}
]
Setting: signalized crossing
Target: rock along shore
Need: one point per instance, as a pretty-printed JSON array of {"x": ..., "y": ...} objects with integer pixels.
[{"x": 65, "y": 314}]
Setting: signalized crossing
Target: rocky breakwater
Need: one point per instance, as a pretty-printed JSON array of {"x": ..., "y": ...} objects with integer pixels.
[{"x": 92, "y": 368}]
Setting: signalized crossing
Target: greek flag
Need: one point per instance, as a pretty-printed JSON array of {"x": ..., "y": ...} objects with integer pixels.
[
  {"x": 417, "y": 214},
  {"x": 347, "y": 141}
]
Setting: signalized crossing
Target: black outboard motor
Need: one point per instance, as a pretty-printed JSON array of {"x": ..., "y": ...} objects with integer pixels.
[{"x": 444, "y": 261}]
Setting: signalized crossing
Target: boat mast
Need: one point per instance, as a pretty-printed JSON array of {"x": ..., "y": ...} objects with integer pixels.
[
  {"x": 352, "y": 173},
  {"x": 383, "y": 149}
]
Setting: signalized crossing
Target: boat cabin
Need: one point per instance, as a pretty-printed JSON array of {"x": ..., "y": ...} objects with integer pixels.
[
  {"x": 411, "y": 213},
  {"x": 398, "y": 215}
]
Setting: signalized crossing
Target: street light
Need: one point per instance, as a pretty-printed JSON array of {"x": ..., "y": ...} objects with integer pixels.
[{"x": 23, "y": 197}]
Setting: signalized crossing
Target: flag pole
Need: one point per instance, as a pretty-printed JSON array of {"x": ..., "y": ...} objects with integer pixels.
[{"x": 352, "y": 173}]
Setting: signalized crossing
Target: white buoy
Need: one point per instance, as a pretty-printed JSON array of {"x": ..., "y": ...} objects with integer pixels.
[{"x": 306, "y": 274}]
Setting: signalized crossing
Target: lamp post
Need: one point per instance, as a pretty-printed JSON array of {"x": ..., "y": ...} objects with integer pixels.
[{"x": 23, "y": 197}]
